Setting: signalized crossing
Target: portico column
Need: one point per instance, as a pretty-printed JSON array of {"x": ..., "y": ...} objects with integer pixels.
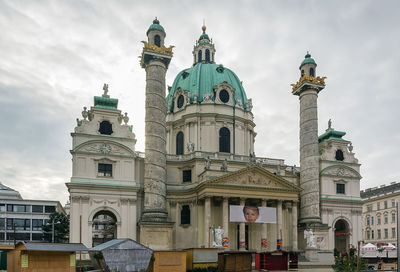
[
  {"x": 279, "y": 220},
  {"x": 225, "y": 218},
  {"x": 264, "y": 228},
  {"x": 207, "y": 216},
  {"x": 294, "y": 226},
  {"x": 242, "y": 226}
]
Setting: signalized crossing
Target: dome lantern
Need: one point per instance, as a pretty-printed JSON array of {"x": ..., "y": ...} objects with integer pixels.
[
  {"x": 204, "y": 49},
  {"x": 308, "y": 66}
]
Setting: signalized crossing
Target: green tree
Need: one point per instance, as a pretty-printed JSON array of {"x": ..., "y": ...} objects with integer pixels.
[
  {"x": 348, "y": 262},
  {"x": 61, "y": 228}
]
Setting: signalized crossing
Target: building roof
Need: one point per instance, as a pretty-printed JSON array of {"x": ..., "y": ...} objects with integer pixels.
[
  {"x": 155, "y": 26},
  {"x": 383, "y": 190},
  {"x": 331, "y": 134},
  {"x": 116, "y": 242},
  {"x": 105, "y": 103},
  {"x": 204, "y": 37},
  {"x": 8, "y": 193},
  {"x": 54, "y": 247},
  {"x": 307, "y": 59},
  {"x": 201, "y": 80}
]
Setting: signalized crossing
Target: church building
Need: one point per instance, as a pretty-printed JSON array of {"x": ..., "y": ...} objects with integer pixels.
[{"x": 199, "y": 162}]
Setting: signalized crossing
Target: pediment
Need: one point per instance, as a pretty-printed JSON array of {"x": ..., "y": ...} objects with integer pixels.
[
  {"x": 340, "y": 171},
  {"x": 105, "y": 148},
  {"x": 254, "y": 177}
]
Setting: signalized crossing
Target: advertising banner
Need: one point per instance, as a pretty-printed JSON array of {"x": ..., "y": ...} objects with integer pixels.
[{"x": 252, "y": 214}]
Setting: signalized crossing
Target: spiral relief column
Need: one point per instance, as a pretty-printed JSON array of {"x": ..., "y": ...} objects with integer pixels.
[{"x": 155, "y": 229}]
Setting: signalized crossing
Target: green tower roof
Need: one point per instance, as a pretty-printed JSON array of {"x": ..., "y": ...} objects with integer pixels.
[
  {"x": 155, "y": 26},
  {"x": 331, "y": 134},
  {"x": 202, "y": 78},
  {"x": 307, "y": 59},
  {"x": 204, "y": 37},
  {"x": 105, "y": 103}
]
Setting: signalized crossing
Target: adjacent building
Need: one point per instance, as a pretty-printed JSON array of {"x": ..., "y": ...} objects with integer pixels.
[
  {"x": 379, "y": 216},
  {"x": 22, "y": 219}
]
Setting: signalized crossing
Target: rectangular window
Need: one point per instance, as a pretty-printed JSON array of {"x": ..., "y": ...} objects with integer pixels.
[
  {"x": 2, "y": 223},
  {"x": 367, "y": 221},
  {"x": 2, "y": 207},
  {"x": 393, "y": 204},
  {"x": 37, "y": 208},
  {"x": 23, "y": 236},
  {"x": 37, "y": 236},
  {"x": 393, "y": 217},
  {"x": 18, "y": 224},
  {"x": 185, "y": 215},
  {"x": 21, "y": 208},
  {"x": 104, "y": 170},
  {"x": 385, "y": 204},
  {"x": 368, "y": 235},
  {"x": 379, "y": 234},
  {"x": 187, "y": 175},
  {"x": 369, "y": 208},
  {"x": 49, "y": 209},
  {"x": 379, "y": 220},
  {"x": 37, "y": 224},
  {"x": 386, "y": 233},
  {"x": 9, "y": 208},
  {"x": 393, "y": 232},
  {"x": 386, "y": 219},
  {"x": 340, "y": 188},
  {"x": 372, "y": 235},
  {"x": 372, "y": 220},
  {"x": 378, "y": 205}
]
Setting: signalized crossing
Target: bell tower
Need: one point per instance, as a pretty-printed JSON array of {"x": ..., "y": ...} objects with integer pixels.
[
  {"x": 155, "y": 229},
  {"x": 307, "y": 88}
]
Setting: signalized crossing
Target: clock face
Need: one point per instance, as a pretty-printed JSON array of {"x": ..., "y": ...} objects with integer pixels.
[{"x": 105, "y": 148}]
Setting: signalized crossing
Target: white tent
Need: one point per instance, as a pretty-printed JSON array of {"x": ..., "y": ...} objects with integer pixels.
[
  {"x": 369, "y": 246},
  {"x": 389, "y": 246}
]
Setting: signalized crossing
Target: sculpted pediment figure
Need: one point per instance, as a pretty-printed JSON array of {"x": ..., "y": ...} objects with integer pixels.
[{"x": 256, "y": 177}]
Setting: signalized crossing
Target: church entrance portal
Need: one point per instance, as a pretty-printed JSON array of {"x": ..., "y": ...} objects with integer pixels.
[
  {"x": 104, "y": 227},
  {"x": 342, "y": 232}
]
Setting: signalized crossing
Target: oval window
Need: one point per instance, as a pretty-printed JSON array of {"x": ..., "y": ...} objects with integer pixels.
[
  {"x": 180, "y": 101},
  {"x": 224, "y": 96}
]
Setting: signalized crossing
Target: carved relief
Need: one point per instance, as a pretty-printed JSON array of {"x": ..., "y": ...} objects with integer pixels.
[
  {"x": 341, "y": 171},
  {"x": 99, "y": 148}
]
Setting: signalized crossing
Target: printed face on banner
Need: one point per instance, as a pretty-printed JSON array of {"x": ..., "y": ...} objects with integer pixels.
[{"x": 252, "y": 214}]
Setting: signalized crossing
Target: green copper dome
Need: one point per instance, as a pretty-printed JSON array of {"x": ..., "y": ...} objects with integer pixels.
[
  {"x": 307, "y": 59},
  {"x": 155, "y": 26},
  {"x": 201, "y": 80}
]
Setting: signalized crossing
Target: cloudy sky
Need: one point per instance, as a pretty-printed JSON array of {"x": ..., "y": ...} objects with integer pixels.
[{"x": 56, "y": 55}]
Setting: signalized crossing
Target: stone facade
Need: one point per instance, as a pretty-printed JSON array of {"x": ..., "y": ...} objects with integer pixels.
[
  {"x": 199, "y": 159},
  {"x": 106, "y": 173}
]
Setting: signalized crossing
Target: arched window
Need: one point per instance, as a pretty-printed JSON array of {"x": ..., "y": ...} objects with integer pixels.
[
  {"x": 105, "y": 128},
  {"x": 199, "y": 58},
  {"x": 207, "y": 55},
  {"x": 185, "y": 215},
  {"x": 157, "y": 40},
  {"x": 179, "y": 143},
  {"x": 312, "y": 73},
  {"x": 302, "y": 72},
  {"x": 224, "y": 140},
  {"x": 339, "y": 155}
]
